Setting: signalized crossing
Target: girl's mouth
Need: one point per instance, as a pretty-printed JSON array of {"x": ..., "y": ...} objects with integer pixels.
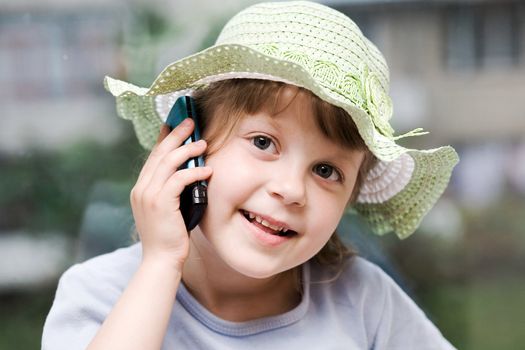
[{"x": 264, "y": 225}]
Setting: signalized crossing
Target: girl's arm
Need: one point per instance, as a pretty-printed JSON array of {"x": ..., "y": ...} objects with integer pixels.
[{"x": 140, "y": 317}]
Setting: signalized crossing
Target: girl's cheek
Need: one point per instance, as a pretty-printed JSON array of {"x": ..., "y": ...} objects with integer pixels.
[{"x": 232, "y": 171}]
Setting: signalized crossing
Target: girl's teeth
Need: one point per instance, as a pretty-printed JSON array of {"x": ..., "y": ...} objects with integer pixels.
[
  {"x": 266, "y": 223},
  {"x": 280, "y": 230}
]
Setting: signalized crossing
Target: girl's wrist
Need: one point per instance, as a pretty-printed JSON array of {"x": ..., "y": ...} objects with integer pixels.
[{"x": 164, "y": 263}]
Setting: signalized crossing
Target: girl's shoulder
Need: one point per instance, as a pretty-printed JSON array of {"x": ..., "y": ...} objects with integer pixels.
[
  {"x": 108, "y": 273},
  {"x": 357, "y": 282},
  {"x": 366, "y": 297},
  {"x": 85, "y": 295}
]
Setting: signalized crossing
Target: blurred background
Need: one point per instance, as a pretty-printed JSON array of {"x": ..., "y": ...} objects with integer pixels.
[{"x": 67, "y": 162}]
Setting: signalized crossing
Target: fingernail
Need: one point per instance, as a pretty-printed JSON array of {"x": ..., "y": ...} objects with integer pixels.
[{"x": 186, "y": 122}]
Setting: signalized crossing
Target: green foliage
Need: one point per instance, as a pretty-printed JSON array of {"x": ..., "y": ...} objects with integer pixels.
[
  {"x": 22, "y": 318},
  {"x": 49, "y": 191},
  {"x": 481, "y": 314},
  {"x": 150, "y": 31}
]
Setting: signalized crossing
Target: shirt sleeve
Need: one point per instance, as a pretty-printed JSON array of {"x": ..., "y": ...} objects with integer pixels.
[
  {"x": 75, "y": 315},
  {"x": 401, "y": 324},
  {"x": 85, "y": 295}
]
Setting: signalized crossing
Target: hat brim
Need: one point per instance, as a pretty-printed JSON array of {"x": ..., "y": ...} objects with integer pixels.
[
  {"x": 223, "y": 62},
  {"x": 432, "y": 167},
  {"x": 403, "y": 212}
]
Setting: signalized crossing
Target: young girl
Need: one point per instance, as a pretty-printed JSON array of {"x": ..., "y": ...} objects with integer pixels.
[{"x": 295, "y": 114}]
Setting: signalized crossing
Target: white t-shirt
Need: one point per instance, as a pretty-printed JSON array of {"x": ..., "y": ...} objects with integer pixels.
[{"x": 362, "y": 309}]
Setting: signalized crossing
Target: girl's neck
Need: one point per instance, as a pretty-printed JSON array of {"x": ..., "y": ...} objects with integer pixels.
[{"x": 232, "y": 296}]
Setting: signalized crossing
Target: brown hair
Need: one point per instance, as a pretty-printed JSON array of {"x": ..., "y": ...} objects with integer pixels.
[{"x": 236, "y": 97}]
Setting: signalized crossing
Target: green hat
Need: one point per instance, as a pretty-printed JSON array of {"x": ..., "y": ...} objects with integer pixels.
[{"x": 320, "y": 49}]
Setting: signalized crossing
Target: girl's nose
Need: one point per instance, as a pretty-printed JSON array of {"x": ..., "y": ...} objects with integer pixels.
[{"x": 289, "y": 189}]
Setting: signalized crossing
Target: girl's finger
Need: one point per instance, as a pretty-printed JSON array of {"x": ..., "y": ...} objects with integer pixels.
[
  {"x": 177, "y": 136},
  {"x": 167, "y": 143},
  {"x": 169, "y": 164},
  {"x": 182, "y": 178}
]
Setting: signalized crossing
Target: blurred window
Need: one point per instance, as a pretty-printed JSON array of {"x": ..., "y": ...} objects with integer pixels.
[
  {"x": 499, "y": 35},
  {"x": 461, "y": 38},
  {"x": 483, "y": 36},
  {"x": 57, "y": 55}
]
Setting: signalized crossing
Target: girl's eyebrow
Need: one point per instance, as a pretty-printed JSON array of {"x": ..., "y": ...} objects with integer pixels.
[
  {"x": 346, "y": 156},
  {"x": 260, "y": 120},
  {"x": 338, "y": 153}
]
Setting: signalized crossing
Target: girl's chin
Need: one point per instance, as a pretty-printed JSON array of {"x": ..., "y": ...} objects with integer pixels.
[
  {"x": 252, "y": 264},
  {"x": 253, "y": 267},
  {"x": 236, "y": 257}
]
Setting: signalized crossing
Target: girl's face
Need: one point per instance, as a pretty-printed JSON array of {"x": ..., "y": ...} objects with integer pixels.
[{"x": 278, "y": 190}]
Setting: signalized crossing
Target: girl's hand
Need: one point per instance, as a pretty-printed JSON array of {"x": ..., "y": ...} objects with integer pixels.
[{"x": 155, "y": 198}]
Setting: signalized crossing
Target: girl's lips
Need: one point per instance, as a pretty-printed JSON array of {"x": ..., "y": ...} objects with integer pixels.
[
  {"x": 276, "y": 227},
  {"x": 263, "y": 234},
  {"x": 268, "y": 222}
]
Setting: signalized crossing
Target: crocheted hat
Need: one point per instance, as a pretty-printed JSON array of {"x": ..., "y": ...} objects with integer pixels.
[{"x": 315, "y": 47}]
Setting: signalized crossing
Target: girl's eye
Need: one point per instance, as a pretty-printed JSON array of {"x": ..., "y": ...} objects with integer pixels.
[
  {"x": 263, "y": 143},
  {"x": 327, "y": 172}
]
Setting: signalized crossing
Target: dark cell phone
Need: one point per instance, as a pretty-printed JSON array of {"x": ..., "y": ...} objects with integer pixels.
[{"x": 193, "y": 199}]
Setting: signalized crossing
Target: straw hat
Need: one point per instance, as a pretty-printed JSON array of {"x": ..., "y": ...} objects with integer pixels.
[{"x": 315, "y": 47}]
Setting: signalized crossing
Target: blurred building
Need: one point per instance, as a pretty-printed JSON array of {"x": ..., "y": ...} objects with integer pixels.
[{"x": 53, "y": 57}]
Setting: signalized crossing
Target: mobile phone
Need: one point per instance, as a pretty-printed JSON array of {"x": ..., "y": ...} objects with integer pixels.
[{"x": 194, "y": 198}]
